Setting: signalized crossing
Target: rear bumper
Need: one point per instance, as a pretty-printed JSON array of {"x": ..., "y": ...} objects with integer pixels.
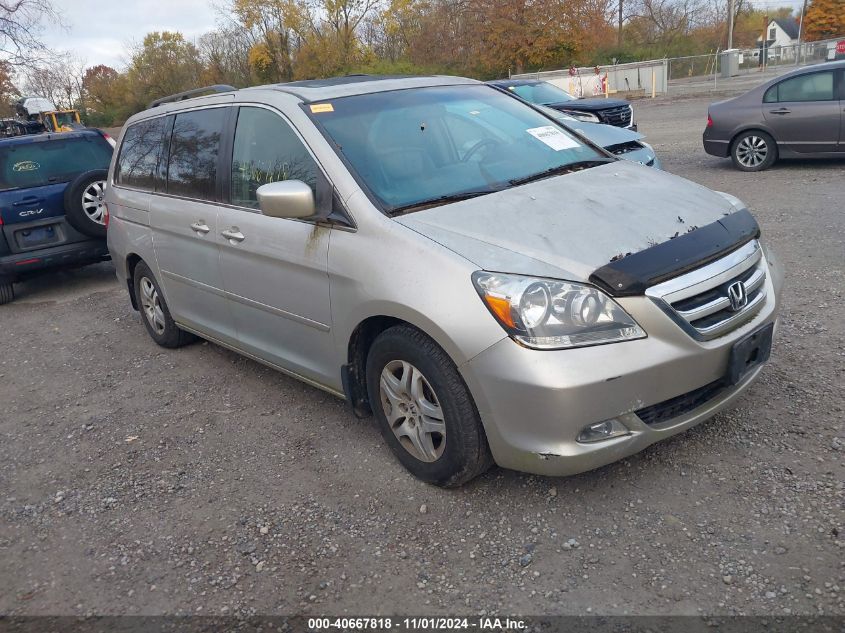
[
  {"x": 18, "y": 264},
  {"x": 715, "y": 147}
]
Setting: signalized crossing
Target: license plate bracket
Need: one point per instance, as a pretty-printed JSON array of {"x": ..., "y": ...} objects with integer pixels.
[
  {"x": 37, "y": 236},
  {"x": 750, "y": 352}
]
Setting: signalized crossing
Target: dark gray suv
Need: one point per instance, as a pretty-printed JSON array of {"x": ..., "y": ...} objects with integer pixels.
[{"x": 798, "y": 115}]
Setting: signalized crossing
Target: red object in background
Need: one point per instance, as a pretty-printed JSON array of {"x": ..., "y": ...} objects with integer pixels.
[
  {"x": 840, "y": 47},
  {"x": 709, "y": 121}
]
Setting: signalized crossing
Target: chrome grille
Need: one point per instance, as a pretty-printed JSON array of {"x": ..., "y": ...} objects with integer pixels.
[
  {"x": 700, "y": 301},
  {"x": 619, "y": 116}
]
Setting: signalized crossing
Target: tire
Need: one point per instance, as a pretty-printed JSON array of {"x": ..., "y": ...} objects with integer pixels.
[
  {"x": 84, "y": 208},
  {"x": 7, "y": 292},
  {"x": 154, "y": 311},
  {"x": 448, "y": 457},
  {"x": 753, "y": 151}
]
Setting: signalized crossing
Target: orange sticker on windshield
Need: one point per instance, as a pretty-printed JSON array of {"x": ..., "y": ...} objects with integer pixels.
[{"x": 322, "y": 107}]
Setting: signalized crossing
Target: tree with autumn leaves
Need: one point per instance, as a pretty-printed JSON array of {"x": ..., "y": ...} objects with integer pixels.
[
  {"x": 267, "y": 41},
  {"x": 825, "y": 19}
]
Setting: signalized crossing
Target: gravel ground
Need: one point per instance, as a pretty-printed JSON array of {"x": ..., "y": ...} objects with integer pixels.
[{"x": 138, "y": 480}]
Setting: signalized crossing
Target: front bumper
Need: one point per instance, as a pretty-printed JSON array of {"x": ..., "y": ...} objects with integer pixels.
[
  {"x": 644, "y": 156},
  {"x": 533, "y": 404}
]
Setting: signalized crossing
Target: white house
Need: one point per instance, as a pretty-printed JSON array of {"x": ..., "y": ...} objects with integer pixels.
[{"x": 781, "y": 38}]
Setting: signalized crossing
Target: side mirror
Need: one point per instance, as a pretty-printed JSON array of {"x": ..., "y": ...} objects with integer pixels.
[{"x": 286, "y": 199}]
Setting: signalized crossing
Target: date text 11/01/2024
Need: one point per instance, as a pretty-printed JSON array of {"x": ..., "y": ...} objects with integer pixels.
[{"x": 416, "y": 624}]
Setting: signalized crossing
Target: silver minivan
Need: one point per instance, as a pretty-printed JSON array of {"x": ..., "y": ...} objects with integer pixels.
[{"x": 488, "y": 284}]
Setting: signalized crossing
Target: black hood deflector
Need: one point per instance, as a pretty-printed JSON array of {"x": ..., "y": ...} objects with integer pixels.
[{"x": 632, "y": 274}]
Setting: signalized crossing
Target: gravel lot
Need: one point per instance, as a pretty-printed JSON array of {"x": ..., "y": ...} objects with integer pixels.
[{"x": 138, "y": 480}]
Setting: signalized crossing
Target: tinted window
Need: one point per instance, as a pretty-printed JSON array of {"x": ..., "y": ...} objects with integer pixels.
[
  {"x": 53, "y": 161},
  {"x": 266, "y": 150},
  {"x": 771, "y": 95},
  {"x": 194, "y": 146},
  {"x": 813, "y": 87},
  {"x": 136, "y": 164}
]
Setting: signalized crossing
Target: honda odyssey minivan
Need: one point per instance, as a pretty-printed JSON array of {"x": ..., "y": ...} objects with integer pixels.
[{"x": 455, "y": 262}]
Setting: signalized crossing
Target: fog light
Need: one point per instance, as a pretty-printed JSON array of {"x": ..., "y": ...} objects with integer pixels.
[{"x": 602, "y": 431}]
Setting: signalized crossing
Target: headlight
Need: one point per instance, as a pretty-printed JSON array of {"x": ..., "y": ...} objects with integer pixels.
[
  {"x": 551, "y": 314},
  {"x": 582, "y": 116}
]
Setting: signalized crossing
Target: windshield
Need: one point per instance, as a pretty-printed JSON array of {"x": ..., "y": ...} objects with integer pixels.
[
  {"x": 49, "y": 162},
  {"x": 542, "y": 92},
  {"x": 65, "y": 118},
  {"x": 424, "y": 145}
]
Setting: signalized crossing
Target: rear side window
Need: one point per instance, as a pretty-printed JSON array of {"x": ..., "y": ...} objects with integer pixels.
[
  {"x": 194, "y": 147},
  {"x": 266, "y": 150},
  {"x": 813, "y": 87},
  {"x": 51, "y": 161},
  {"x": 136, "y": 163}
]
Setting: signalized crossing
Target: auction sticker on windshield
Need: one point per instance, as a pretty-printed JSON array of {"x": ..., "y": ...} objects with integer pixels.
[{"x": 552, "y": 137}]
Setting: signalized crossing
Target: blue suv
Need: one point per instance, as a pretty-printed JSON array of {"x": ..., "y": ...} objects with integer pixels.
[{"x": 51, "y": 203}]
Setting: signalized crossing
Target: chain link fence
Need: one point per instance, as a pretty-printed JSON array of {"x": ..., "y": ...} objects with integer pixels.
[
  {"x": 695, "y": 73},
  {"x": 699, "y": 67}
]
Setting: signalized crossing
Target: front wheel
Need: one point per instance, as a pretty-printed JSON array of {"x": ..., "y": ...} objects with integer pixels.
[
  {"x": 754, "y": 151},
  {"x": 424, "y": 410}
]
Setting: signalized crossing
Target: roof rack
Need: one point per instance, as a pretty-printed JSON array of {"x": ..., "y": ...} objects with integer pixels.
[{"x": 188, "y": 94}]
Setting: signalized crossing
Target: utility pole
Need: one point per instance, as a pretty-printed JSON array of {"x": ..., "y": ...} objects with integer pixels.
[
  {"x": 619, "y": 33},
  {"x": 764, "y": 51},
  {"x": 800, "y": 32},
  {"x": 731, "y": 11}
]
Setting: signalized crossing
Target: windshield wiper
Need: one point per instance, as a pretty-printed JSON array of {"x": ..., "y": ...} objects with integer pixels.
[
  {"x": 433, "y": 202},
  {"x": 561, "y": 169}
]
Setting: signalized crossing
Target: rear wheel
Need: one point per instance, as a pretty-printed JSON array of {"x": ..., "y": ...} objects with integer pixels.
[
  {"x": 154, "y": 311},
  {"x": 7, "y": 292},
  {"x": 424, "y": 410},
  {"x": 754, "y": 151}
]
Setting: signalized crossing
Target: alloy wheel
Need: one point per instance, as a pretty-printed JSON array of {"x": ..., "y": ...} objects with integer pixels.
[
  {"x": 412, "y": 410},
  {"x": 152, "y": 305},
  {"x": 752, "y": 151},
  {"x": 92, "y": 201}
]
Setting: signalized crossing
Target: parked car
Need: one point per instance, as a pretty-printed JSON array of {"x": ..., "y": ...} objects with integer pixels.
[
  {"x": 622, "y": 142},
  {"x": 796, "y": 115},
  {"x": 51, "y": 203},
  {"x": 447, "y": 258},
  {"x": 616, "y": 112}
]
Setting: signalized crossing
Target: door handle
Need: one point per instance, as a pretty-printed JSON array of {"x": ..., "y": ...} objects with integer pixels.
[
  {"x": 781, "y": 111},
  {"x": 200, "y": 227},
  {"x": 28, "y": 201},
  {"x": 233, "y": 235}
]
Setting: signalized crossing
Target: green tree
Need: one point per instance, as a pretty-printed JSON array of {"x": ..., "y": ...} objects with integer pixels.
[{"x": 163, "y": 64}]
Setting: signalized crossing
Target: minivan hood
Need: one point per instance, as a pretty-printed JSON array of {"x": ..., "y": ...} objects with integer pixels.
[{"x": 568, "y": 226}]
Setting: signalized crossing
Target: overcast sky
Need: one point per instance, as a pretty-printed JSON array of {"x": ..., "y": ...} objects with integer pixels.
[{"x": 99, "y": 31}]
